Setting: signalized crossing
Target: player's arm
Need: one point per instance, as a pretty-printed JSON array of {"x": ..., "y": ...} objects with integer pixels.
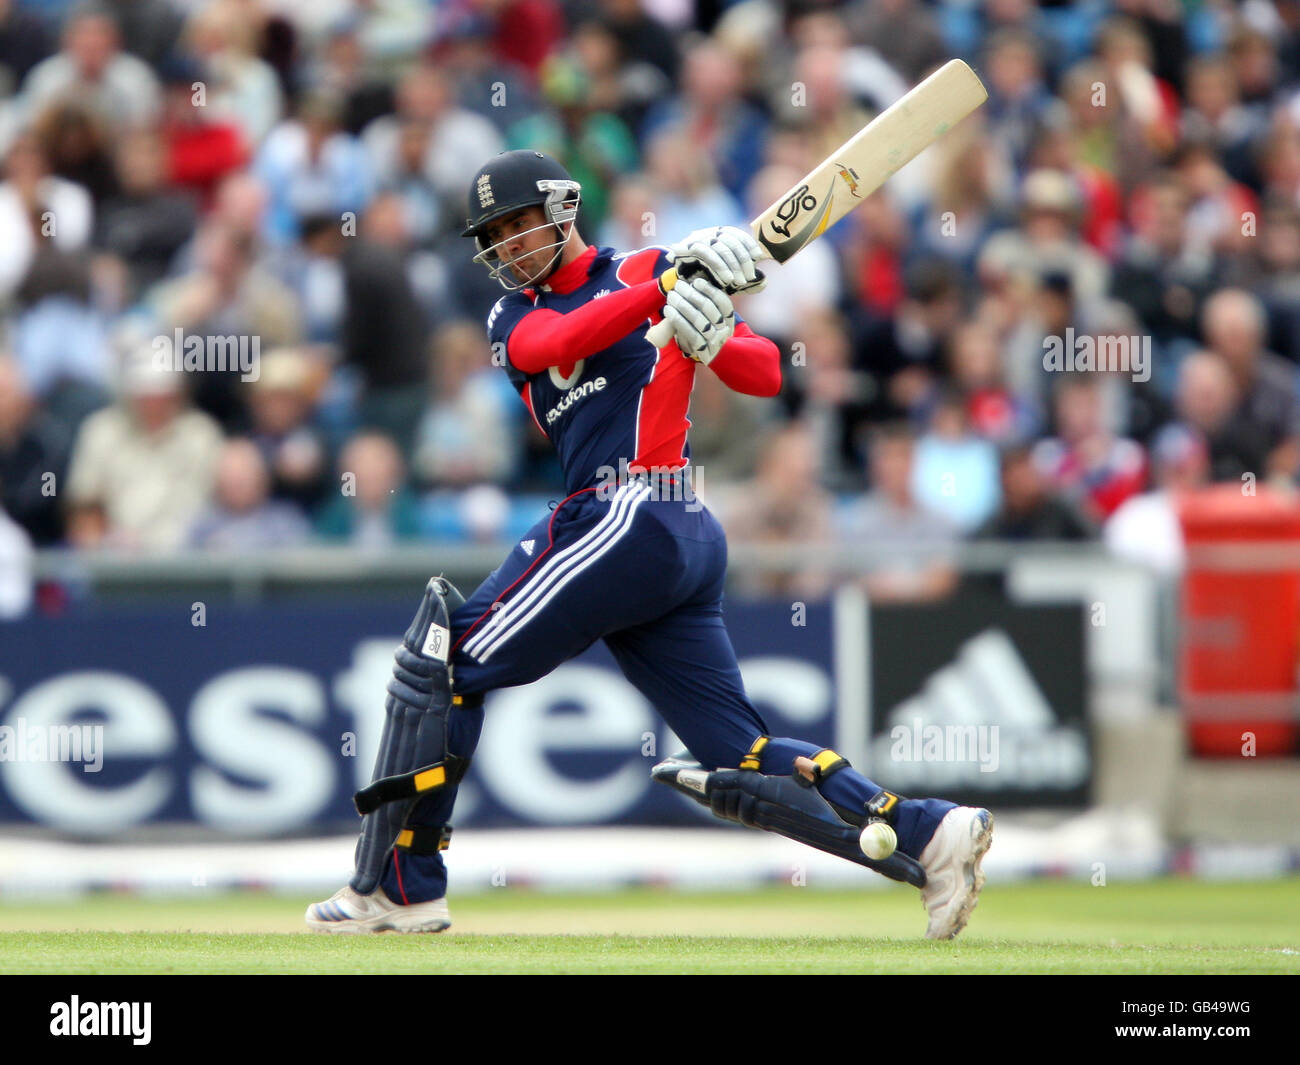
[
  {"x": 539, "y": 337},
  {"x": 706, "y": 329}
]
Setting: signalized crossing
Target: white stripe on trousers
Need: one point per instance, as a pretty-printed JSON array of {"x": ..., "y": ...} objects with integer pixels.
[
  {"x": 552, "y": 567},
  {"x": 591, "y": 558},
  {"x": 556, "y": 568}
]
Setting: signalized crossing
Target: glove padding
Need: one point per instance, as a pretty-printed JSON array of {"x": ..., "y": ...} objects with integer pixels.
[
  {"x": 702, "y": 318},
  {"x": 728, "y": 253}
]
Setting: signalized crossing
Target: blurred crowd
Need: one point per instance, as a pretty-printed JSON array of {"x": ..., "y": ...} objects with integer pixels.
[{"x": 295, "y": 174}]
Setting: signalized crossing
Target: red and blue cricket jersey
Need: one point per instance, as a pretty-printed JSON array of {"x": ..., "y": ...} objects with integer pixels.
[{"x": 576, "y": 351}]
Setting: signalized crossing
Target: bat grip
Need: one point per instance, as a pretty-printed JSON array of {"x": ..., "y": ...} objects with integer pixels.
[{"x": 662, "y": 331}]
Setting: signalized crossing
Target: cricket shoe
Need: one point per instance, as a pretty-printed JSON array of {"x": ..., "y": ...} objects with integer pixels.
[
  {"x": 953, "y": 878},
  {"x": 347, "y": 912}
]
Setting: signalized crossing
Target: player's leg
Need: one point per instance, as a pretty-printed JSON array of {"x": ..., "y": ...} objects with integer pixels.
[
  {"x": 799, "y": 790},
  {"x": 415, "y": 759},
  {"x": 547, "y": 602}
]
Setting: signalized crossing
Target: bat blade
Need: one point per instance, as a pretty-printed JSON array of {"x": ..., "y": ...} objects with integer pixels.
[
  {"x": 863, "y": 163},
  {"x": 867, "y": 159}
]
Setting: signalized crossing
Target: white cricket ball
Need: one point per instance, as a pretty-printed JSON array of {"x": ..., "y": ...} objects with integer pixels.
[{"x": 878, "y": 841}]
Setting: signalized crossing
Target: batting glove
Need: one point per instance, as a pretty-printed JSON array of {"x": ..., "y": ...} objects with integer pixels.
[
  {"x": 702, "y": 318},
  {"x": 728, "y": 253}
]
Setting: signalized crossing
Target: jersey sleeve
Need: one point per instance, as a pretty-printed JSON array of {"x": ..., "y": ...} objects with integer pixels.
[
  {"x": 543, "y": 337},
  {"x": 748, "y": 363}
]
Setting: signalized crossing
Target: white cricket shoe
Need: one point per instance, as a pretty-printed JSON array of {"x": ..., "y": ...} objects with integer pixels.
[
  {"x": 951, "y": 861},
  {"x": 346, "y": 912}
]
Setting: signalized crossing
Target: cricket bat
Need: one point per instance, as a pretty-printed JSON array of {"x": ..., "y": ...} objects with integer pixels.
[{"x": 861, "y": 165}]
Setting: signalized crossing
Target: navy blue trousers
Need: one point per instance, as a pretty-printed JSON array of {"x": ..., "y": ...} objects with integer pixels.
[{"x": 645, "y": 574}]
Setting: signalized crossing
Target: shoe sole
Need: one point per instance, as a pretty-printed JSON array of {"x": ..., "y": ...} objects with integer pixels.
[
  {"x": 346, "y": 928},
  {"x": 389, "y": 922},
  {"x": 980, "y": 840}
]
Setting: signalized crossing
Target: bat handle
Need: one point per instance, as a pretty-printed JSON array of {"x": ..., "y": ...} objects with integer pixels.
[{"x": 662, "y": 331}]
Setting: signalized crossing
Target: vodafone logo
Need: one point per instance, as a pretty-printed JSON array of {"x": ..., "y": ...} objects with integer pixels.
[
  {"x": 574, "y": 395},
  {"x": 560, "y": 381}
]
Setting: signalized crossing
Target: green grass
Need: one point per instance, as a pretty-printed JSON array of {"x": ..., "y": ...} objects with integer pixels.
[{"x": 1164, "y": 926}]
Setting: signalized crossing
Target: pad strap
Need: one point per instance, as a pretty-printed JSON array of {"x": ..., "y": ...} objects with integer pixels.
[
  {"x": 883, "y": 806},
  {"x": 411, "y": 785},
  {"x": 754, "y": 759},
  {"x": 423, "y": 839},
  {"x": 825, "y": 763}
]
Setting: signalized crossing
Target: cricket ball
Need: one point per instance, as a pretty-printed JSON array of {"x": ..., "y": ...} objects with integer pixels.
[{"x": 878, "y": 841}]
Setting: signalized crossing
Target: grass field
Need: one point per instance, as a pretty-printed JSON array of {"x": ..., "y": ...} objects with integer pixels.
[{"x": 1164, "y": 926}]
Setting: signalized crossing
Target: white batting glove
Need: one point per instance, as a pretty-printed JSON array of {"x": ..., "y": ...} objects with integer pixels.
[
  {"x": 702, "y": 318},
  {"x": 728, "y": 253}
]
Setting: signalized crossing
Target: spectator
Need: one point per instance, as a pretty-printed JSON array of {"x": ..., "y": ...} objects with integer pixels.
[
  {"x": 203, "y": 149},
  {"x": 147, "y": 222},
  {"x": 1086, "y": 463},
  {"x": 455, "y": 140},
  {"x": 687, "y": 195},
  {"x": 143, "y": 469},
  {"x": 374, "y": 509},
  {"x": 1208, "y": 401},
  {"x": 1048, "y": 240},
  {"x": 242, "y": 516},
  {"x": 712, "y": 115},
  {"x": 76, "y": 144},
  {"x": 1030, "y": 511},
  {"x": 642, "y": 36},
  {"x": 16, "y": 583},
  {"x": 1219, "y": 207},
  {"x": 1274, "y": 276},
  {"x": 904, "y": 352},
  {"x": 1214, "y": 115},
  {"x": 230, "y": 296},
  {"x": 311, "y": 166},
  {"x": 383, "y": 337},
  {"x": 911, "y": 546},
  {"x": 1235, "y": 327},
  {"x": 33, "y": 458},
  {"x": 37, "y": 206},
  {"x": 1146, "y": 528},
  {"x": 904, "y": 30},
  {"x": 1163, "y": 274},
  {"x": 831, "y": 396},
  {"x": 280, "y": 404},
  {"x": 24, "y": 42},
  {"x": 626, "y": 88},
  {"x": 343, "y": 69},
  {"x": 92, "y": 69},
  {"x": 595, "y": 148},
  {"x": 783, "y": 506},
  {"x": 470, "y": 433},
  {"x": 993, "y": 410},
  {"x": 486, "y": 85},
  {"x": 955, "y": 471},
  {"x": 240, "y": 87},
  {"x": 1019, "y": 103}
]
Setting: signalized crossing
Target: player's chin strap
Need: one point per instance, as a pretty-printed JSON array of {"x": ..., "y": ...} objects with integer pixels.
[
  {"x": 791, "y": 806},
  {"x": 413, "y": 758}
]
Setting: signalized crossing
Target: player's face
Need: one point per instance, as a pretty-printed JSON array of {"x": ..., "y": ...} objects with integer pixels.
[{"x": 526, "y": 241}]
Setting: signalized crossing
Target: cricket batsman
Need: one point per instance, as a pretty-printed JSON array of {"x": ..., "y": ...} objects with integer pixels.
[{"x": 634, "y": 560}]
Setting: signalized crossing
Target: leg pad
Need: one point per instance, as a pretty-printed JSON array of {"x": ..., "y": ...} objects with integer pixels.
[{"x": 784, "y": 806}]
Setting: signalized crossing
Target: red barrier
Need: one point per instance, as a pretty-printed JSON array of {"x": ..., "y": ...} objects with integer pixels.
[{"x": 1240, "y": 621}]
